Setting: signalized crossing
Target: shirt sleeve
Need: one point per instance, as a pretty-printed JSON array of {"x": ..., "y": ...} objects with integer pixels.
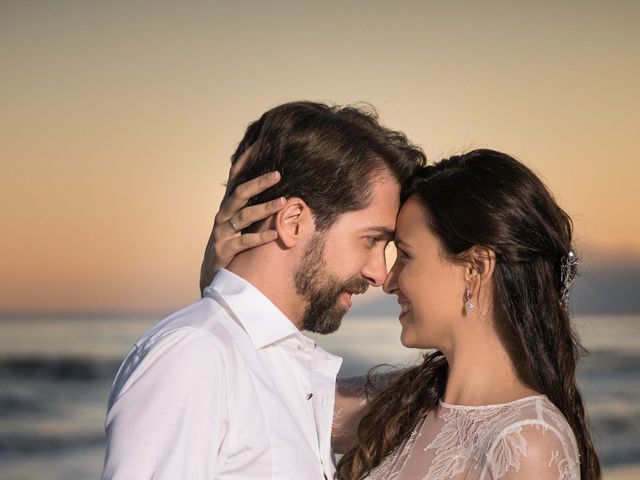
[
  {"x": 170, "y": 417},
  {"x": 534, "y": 451}
]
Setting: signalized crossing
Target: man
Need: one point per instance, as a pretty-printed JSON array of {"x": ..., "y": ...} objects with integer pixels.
[{"x": 229, "y": 387}]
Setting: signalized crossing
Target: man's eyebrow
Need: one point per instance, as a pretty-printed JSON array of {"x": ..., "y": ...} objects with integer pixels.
[{"x": 384, "y": 232}]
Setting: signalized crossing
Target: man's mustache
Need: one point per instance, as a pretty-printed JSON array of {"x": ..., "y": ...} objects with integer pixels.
[{"x": 356, "y": 285}]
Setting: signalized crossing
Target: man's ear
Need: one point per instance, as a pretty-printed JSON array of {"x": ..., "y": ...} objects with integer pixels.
[{"x": 293, "y": 221}]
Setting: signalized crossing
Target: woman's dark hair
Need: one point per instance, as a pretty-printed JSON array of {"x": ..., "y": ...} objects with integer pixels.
[
  {"x": 327, "y": 155},
  {"x": 489, "y": 199}
]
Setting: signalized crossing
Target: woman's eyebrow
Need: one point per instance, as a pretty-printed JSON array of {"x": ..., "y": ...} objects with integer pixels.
[{"x": 400, "y": 243}]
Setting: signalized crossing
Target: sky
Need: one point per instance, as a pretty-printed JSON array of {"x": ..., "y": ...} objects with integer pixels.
[{"x": 117, "y": 120}]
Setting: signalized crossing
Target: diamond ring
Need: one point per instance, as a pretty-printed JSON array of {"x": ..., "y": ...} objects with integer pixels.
[{"x": 234, "y": 225}]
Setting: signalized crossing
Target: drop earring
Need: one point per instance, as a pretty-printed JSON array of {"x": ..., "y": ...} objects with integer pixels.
[{"x": 468, "y": 305}]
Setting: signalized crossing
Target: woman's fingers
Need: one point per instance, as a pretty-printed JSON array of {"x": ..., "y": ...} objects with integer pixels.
[
  {"x": 223, "y": 251},
  {"x": 239, "y": 244},
  {"x": 220, "y": 252},
  {"x": 248, "y": 216},
  {"x": 233, "y": 203}
]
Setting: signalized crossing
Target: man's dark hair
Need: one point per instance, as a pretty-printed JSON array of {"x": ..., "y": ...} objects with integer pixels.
[{"x": 327, "y": 156}]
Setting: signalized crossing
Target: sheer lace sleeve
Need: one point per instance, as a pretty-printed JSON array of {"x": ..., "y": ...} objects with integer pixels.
[
  {"x": 538, "y": 450},
  {"x": 353, "y": 395}
]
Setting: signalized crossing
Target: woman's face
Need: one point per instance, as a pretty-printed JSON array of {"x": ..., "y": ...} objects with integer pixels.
[{"x": 429, "y": 286}]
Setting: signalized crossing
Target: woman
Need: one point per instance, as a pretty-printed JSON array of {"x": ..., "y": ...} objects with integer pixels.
[{"x": 483, "y": 272}]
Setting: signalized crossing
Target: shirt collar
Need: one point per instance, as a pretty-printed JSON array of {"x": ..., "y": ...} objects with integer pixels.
[{"x": 261, "y": 319}]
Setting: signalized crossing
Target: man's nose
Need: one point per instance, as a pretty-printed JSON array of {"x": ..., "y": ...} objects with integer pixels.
[
  {"x": 375, "y": 271},
  {"x": 391, "y": 282}
]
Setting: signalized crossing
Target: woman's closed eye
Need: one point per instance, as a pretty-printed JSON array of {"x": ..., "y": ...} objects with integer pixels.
[{"x": 401, "y": 254}]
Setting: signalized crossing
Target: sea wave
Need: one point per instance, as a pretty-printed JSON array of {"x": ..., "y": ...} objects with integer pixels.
[
  {"x": 11, "y": 444},
  {"x": 58, "y": 368},
  {"x": 608, "y": 361}
]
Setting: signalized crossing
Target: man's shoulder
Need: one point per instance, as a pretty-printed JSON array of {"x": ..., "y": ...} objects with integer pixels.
[
  {"x": 196, "y": 336},
  {"x": 201, "y": 328},
  {"x": 204, "y": 318}
]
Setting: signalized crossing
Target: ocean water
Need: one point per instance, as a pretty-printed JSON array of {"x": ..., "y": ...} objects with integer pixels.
[{"x": 56, "y": 373}]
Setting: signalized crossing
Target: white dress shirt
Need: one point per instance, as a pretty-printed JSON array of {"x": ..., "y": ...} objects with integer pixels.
[{"x": 226, "y": 388}]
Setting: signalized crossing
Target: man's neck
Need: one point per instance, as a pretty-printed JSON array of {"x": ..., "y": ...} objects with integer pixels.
[{"x": 268, "y": 275}]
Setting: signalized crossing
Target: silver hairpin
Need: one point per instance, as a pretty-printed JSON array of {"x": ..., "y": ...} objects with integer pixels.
[{"x": 568, "y": 269}]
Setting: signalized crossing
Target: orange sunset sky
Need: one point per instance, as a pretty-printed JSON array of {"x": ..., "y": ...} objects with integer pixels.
[{"x": 118, "y": 118}]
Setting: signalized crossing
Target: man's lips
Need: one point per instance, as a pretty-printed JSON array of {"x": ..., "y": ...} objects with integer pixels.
[
  {"x": 356, "y": 286},
  {"x": 347, "y": 298},
  {"x": 350, "y": 293}
]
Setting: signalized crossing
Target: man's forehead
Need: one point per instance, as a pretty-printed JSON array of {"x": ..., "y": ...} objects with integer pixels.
[
  {"x": 367, "y": 221},
  {"x": 379, "y": 215}
]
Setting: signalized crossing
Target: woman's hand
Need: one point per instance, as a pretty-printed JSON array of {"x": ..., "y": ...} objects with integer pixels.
[{"x": 226, "y": 239}]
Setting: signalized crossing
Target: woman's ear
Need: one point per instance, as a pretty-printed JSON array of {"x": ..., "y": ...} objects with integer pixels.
[
  {"x": 292, "y": 221},
  {"x": 482, "y": 263}
]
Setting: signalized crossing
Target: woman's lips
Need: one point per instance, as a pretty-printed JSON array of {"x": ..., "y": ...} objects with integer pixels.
[{"x": 405, "y": 308}]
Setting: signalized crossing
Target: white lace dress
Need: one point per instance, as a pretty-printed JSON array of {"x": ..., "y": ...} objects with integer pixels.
[{"x": 524, "y": 439}]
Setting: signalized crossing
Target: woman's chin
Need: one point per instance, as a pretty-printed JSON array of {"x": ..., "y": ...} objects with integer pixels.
[
  {"x": 407, "y": 339},
  {"x": 410, "y": 340}
]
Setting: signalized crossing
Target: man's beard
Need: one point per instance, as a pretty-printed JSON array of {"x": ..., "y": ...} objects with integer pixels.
[{"x": 321, "y": 290}]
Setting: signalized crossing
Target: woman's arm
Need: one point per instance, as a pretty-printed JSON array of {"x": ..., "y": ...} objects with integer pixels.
[{"x": 353, "y": 397}]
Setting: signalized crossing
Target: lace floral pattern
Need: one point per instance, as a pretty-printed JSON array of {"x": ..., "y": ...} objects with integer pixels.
[
  {"x": 464, "y": 437},
  {"x": 527, "y": 438},
  {"x": 507, "y": 452}
]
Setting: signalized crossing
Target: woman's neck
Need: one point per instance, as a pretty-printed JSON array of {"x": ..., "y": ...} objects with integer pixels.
[{"x": 480, "y": 370}]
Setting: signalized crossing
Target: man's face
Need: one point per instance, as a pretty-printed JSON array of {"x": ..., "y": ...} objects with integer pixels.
[{"x": 347, "y": 258}]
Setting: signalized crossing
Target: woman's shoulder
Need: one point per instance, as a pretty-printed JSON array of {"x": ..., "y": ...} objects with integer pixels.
[
  {"x": 532, "y": 439},
  {"x": 494, "y": 423},
  {"x": 535, "y": 411}
]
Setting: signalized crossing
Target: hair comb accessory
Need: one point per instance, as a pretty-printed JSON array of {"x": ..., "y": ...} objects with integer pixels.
[{"x": 568, "y": 270}]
